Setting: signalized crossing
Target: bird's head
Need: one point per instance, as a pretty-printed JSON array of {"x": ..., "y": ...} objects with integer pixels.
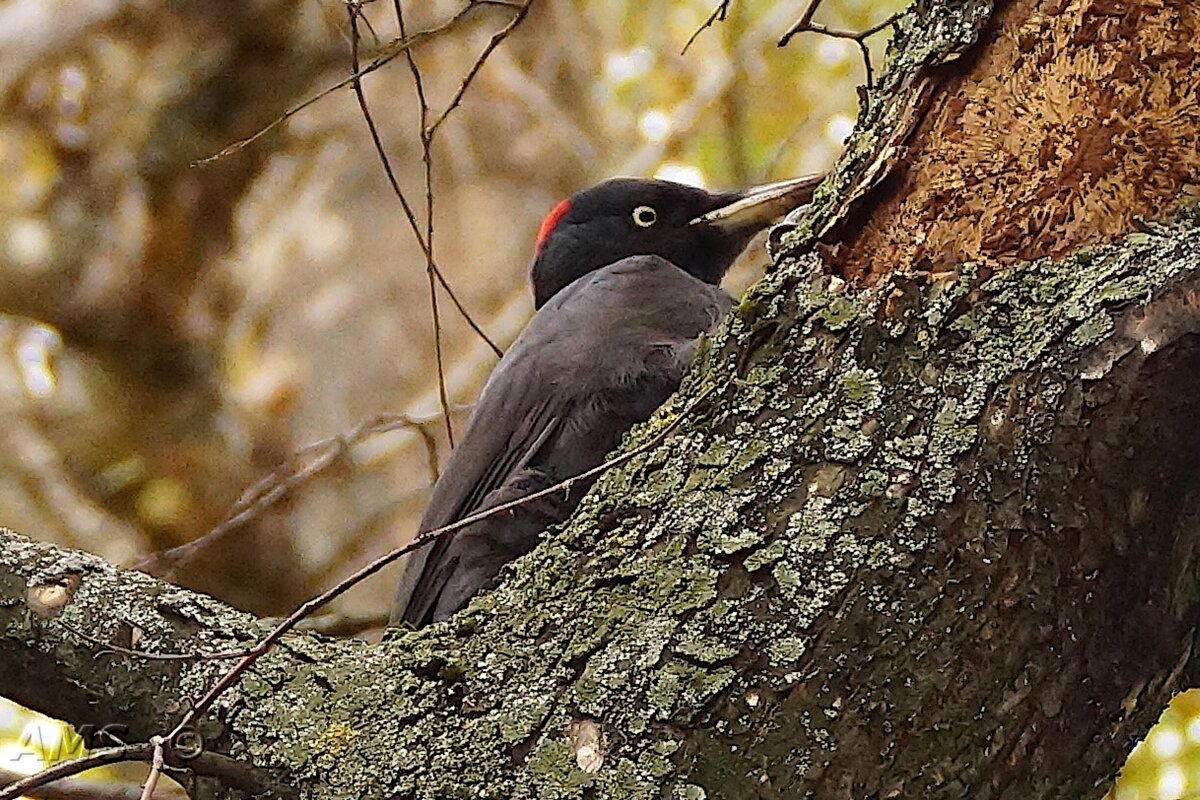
[{"x": 700, "y": 232}]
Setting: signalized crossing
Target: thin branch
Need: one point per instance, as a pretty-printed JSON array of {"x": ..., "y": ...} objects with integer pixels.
[
  {"x": 187, "y": 747},
  {"x": 395, "y": 48},
  {"x": 431, "y": 268},
  {"x": 235, "y": 673},
  {"x": 802, "y": 23},
  {"x": 431, "y": 451},
  {"x": 805, "y": 25},
  {"x": 281, "y": 482},
  {"x": 367, "y": 21},
  {"x": 354, "y": 11},
  {"x": 156, "y": 768},
  {"x": 80, "y": 789},
  {"x": 428, "y": 132},
  {"x": 276, "y": 486},
  {"x": 403, "y": 45},
  {"x": 438, "y": 357},
  {"x": 65, "y": 769},
  {"x": 425, "y": 238},
  {"x": 498, "y": 37},
  {"x": 463, "y": 312},
  {"x": 718, "y": 15}
]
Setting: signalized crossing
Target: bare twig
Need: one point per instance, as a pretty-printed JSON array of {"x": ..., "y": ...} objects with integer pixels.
[
  {"x": 431, "y": 269},
  {"x": 403, "y": 44},
  {"x": 232, "y": 773},
  {"x": 355, "y": 80},
  {"x": 354, "y": 10},
  {"x": 805, "y": 25},
  {"x": 156, "y": 768},
  {"x": 498, "y": 37},
  {"x": 279, "y": 483},
  {"x": 427, "y": 132},
  {"x": 394, "y": 49},
  {"x": 425, "y": 242},
  {"x": 474, "y": 326},
  {"x": 718, "y": 15},
  {"x": 235, "y": 673},
  {"x": 65, "y": 769},
  {"x": 802, "y": 23},
  {"x": 82, "y": 789}
]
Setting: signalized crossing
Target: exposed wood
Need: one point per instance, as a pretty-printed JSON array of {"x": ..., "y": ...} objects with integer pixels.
[{"x": 1075, "y": 118}]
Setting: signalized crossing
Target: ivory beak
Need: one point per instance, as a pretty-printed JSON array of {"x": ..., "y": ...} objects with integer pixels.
[{"x": 760, "y": 206}]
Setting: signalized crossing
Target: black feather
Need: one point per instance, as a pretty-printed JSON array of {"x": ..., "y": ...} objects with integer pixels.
[{"x": 598, "y": 358}]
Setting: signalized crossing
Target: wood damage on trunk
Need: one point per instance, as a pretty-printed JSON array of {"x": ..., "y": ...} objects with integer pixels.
[{"x": 1074, "y": 119}]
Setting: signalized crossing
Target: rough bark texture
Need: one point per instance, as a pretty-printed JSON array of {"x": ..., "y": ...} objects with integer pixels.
[{"x": 935, "y": 538}]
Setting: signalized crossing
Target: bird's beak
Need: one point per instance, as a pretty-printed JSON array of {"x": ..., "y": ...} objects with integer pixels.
[{"x": 756, "y": 208}]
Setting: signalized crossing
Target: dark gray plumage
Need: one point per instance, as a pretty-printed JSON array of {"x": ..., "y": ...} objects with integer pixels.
[{"x": 573, "y": 384}]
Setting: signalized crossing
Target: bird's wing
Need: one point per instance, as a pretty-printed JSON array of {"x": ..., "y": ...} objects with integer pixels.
[
  {"x": 513, "y": 421},
  {"x": 587, "y": 367}
]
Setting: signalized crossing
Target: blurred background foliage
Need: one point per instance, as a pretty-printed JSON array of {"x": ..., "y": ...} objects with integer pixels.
[{"x": 171, "y": 332}]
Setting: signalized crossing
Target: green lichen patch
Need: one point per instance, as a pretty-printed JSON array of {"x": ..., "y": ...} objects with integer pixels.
[{"x": 704, "y": 648}]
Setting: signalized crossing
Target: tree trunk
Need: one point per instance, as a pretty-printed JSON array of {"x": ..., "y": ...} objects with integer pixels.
[{"x": 930, "y": 532}]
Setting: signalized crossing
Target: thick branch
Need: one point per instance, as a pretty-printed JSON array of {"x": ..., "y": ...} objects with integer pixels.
[
  {"x": 932, "y": 539},
  {"x": 942, "y": 507}
]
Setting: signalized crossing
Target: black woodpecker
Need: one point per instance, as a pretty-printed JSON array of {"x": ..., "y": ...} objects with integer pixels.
[{"x": 626, "y": 278}]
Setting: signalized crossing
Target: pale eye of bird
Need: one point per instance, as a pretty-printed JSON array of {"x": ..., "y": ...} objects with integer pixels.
[{"x": 644, "y": 216}]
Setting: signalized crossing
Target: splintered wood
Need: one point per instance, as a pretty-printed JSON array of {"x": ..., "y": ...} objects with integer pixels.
[{"x": 1075, "y": 118}]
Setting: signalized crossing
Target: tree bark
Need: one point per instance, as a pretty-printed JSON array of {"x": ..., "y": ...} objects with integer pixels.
[{"x": 930, "y": 533}]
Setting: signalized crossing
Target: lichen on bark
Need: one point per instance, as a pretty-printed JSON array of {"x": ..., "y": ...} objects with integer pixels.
[
  {"x": 709, "y": 661},
  {"x": 664, "y": 641}
]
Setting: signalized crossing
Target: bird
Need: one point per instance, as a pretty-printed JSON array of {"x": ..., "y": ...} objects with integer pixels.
[{"x": 626, "y": 279}]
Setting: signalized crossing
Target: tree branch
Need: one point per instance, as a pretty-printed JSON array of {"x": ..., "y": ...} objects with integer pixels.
[{"x": 867, "y": 521}]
